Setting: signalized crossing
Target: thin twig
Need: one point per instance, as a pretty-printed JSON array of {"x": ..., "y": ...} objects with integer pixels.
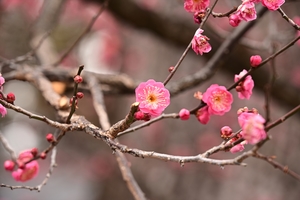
[
  {"x": 87, "y": 30},
  {"x": 265, "y": 61},
  {"x": 148, "y": 123},
  {"x": 289, "y": 20},
  {"x": 100, "y": 109},
  {"x": 52, "y": 123},
  {"x": 227, "y": 14},
  {"x": 277, "y": 165},
  {"x": 8, "y": 148},
  {"x": 188, "y": 47}
]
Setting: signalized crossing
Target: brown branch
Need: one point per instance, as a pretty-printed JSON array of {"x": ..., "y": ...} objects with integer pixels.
[
  {"x": 277, "y": 165},
  {"x": 99, "y": 106},
  {"x": 123, "y": 124},
  {"x": 283, "y": 118},
  {"x": 289, "y": 20},
  {"x": 8, "y": 148},
  {"x": 189, "y": 46},
  {"x": 227, "y": 14},
  {"x": 63, "y": 127},
  {"x": 148, "y": 123}
]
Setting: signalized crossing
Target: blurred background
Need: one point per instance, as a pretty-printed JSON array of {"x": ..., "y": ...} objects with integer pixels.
[{"x": 143, "y": 38}]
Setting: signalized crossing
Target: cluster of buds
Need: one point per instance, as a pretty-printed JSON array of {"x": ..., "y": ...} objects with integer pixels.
[
  {"x": 27, "y": 166},
  {"x": 79, "y": 95}
]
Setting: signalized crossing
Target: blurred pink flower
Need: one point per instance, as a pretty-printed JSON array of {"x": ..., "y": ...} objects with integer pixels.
[
  {"x": 272, "y": 4},
  {"x": 184, "y": 114},
  {"x": 226, "y": 132},
  {"x": 245, "y": 87},
  {"x": 234, "y": 20},
  {"x": 195, "y": 5},
  {"x": 218, "y": 99},
  {"x": 153, "y": 97},
  {"x": 253, "y": 129},
  {"x": 2, "y": 80},
  {"x": 237, "y": 148},
  {"x": 3, "y": 110},
  {"x": 247, "y": 11},
  {"x": 29, "y": 171},
  {"x": 200, "y": 43}
]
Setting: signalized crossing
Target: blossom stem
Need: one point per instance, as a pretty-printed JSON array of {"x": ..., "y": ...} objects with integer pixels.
[{"x": 188, "y": 47}]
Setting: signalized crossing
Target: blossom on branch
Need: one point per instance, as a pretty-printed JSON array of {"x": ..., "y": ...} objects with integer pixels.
[
  {"x": 184, "y": 114},
  {"x": 253, "y": 129},
  {"x": 239, "y": 147},
  {"x": 195, "y": 5},
  {"x": 247, "y": 11},
  {"x": 272, "y": 4},
  {"x": 202, "y": 115},
  {"x": 3, "y": 110},
  {"x": 200, "y": 43},
  {"x": 245, "y": 87},
  {"x": 255, "y": 60},
  {"x": 153, "y": 97},
  {"x": 27, "y": 171},
  {"x": 218, "y": 99}
]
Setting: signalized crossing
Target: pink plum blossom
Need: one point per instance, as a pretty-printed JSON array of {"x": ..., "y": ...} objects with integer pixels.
[
  {"x": 200, "y": 43},
  {"x": 184, "y": 114},
  {"x": 252, "y": 127},
  {"x": 245, "y": 87},
  {"x": 272, "y": 4},
  {"x": 153, "y": 97},
  {"x": 2, "y": 80},
  {"x": 195, "y": 5},
  {"x": 238, "y": 148},
  {"x": 3, "y": 110},
  {"x": 202, "y": 115},
  {"x": 255, "y": 60},
  {"x": 218, "y": 99},
  {"x": 247, "y": 11},
  {"x": 29, "y": 170}
]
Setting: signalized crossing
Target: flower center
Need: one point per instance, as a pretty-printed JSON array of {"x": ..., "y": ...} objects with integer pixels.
[{"x": 151, "y": 98}]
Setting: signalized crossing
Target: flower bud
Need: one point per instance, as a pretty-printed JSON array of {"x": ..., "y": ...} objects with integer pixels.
[
  {"x": 79, "y": 95},
  {"x": 234, "y": 20},
  {"x": 171, "y": 69},
  {"x": 255, "y": 60},
  {"x": 50, "y": 137},
  {"x": 226, "y": 132},
  {"x": 184, "y": 114},
  {"x": 9, "y": 165},
  {"x": 10, "y": 97},
  {"x": 78, "y": 79},
  {"x": 34, "y": 151},
  {"x": 43, "y": 155},
  {"x": 139, "y": 115}
]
